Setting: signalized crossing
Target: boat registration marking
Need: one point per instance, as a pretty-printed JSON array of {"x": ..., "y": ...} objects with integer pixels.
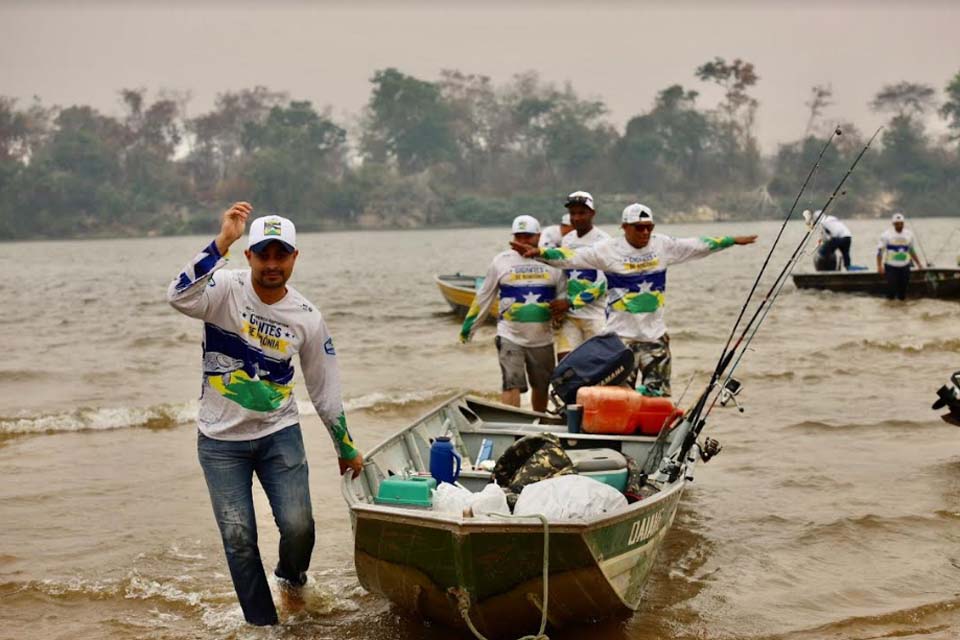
[{"x": 645, "y": 527}]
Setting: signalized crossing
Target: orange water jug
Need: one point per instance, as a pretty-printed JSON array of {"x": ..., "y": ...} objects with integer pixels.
[{"x": 623, "y": 411}]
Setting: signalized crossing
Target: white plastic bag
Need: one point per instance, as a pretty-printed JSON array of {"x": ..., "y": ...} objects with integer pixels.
[
  {"x": 449, "y": 498},
  {"x": 570, "y": 497},
  {"x": 491, "y": 500}
]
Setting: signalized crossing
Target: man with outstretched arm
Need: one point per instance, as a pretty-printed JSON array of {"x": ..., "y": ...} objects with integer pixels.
[
  {"x": 254, "y": 323},
  {"x": 524, "y": 337},
  {"x": 635, "y": 267}
]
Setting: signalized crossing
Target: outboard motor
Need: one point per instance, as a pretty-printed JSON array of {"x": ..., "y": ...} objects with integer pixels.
[{"x": 949, "y": 396}]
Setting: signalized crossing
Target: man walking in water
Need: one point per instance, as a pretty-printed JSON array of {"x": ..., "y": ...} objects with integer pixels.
[
  {"x": 254, "y": 323},
  {"x": 524, "y": 336},
  {"x": 635, "y": 267},
  {"x": 585, "y": 304},
  {"x": 895, "y": 254}
]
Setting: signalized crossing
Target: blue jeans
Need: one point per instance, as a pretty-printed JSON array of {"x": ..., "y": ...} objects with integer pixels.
[{"x": 281, "y": 465}]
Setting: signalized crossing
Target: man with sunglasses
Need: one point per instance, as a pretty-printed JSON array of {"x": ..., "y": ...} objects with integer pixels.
[
  {"x": 524, "y": 339},
  {"x": 635, "y": 267},
  {"x": 583, "y": 311}
]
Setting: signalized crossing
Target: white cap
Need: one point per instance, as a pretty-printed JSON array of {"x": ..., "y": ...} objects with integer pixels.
[
  {"x": 266, "y": 229},
  {"x": 898, "y": 217},
  {"x": 525, "y": 224},
  {"x": 565, "y": 219},
  {"x": 637, "y": 213},
  {"x": 580, "y": 197}
]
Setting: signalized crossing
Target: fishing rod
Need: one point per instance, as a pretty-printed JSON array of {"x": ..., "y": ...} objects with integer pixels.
[
  {"x": 836, "y": 132},
  {"x": 695, "y": 418},
  {"x": 939, "y": 252}
]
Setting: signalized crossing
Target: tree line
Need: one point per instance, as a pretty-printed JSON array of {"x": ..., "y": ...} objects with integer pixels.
[{"x": 459, "y": 150}]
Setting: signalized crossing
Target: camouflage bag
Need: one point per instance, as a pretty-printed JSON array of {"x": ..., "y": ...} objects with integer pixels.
[{"x": 528, "y": 460}]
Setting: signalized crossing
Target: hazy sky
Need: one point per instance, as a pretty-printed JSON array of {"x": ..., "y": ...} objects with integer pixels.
[{"x": 622, "y": 53}]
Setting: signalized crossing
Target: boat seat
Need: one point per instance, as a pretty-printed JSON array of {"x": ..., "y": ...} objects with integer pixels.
[{"x": 586, "y": 460}]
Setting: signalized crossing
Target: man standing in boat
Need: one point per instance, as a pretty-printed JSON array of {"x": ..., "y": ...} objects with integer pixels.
[
  {"x": 635, "y": 267},
  {"x": 248, "y": 420},
  {"x": 552, "y": 236},
  {"x": 895, "y": 254},
  {"x": 524, "y": 335},
  {"x": 584, "y": 308}
]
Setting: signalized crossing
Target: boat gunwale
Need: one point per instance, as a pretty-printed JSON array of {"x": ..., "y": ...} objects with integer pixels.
[
  {"x": 514, "y": 524},
  {"x": 440, "y": 282}
]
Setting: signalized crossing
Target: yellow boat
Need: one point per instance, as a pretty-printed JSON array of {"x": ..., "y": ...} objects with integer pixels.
[{"x": 458, "y": 290}]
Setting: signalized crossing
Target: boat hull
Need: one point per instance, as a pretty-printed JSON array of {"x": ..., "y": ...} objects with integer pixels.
[
  {"x": 458, "y": 291},
  {"x": 597, "y": 569},
  {"x": 924, "y": 283}
]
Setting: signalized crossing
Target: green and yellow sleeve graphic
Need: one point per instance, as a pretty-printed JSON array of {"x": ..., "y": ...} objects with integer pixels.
[
  {"x": 558, "y": 253},
  {"x": 469, "y": 321},
  {"x": 347, "y": 450},
  {"x": 718, "y": 242}
]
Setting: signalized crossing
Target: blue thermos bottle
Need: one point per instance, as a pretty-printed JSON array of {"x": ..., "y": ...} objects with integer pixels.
[{"x": 442, "y": 456}]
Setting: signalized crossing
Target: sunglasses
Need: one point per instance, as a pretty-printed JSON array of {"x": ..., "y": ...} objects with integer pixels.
[{"x": 575, "y": 200}]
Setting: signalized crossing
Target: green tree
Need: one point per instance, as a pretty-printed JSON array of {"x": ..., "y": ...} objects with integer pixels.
[
  {"x": 819, "y": 100},
  {"x": 737, "y": 114},
  {"x": 295, "y": 155},
  {"x": 407, "y": 122},
  {"x": 951, "y": 107},
  {"x": 904, "y": 99},
  {"x": 216, "y": 139}
]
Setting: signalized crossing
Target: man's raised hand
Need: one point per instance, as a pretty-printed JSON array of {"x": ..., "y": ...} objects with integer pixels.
[{"x": 233, "y": 223}]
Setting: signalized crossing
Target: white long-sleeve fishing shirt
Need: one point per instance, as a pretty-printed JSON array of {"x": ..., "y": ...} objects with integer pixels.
[{"x": 248, "y": 349}]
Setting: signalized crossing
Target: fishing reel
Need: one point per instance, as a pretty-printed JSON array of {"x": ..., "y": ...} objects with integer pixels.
[
  {"x": 709, "y": 449},
  {"x": 949, "y": 396},
  {"x": 729, "y": 391}
]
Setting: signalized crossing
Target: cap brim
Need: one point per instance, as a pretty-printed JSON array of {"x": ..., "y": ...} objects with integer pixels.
[{"x": 260, "y": 246}]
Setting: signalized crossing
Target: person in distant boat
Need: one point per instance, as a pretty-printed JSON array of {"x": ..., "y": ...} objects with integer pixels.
[
  {"x": 524, "y": 335},
  {"x": 635, "y": 267},
  {"x": 895, "y": 255},
  {"x": 552, "y": 236},
  {"x": 583, "y": 311},
  {"x": 834, "y": 236},
  {"x": 254, "y": 323}
]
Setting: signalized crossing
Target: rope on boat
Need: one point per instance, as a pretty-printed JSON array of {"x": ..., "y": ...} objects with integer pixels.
[{"x": 463, "y": 596}]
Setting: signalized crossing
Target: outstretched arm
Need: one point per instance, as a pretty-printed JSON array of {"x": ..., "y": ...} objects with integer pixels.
[
  {"x": 583, "y": 258},
  {"x": 188, "y": 292},
  {"x": 683, "y": 249}
]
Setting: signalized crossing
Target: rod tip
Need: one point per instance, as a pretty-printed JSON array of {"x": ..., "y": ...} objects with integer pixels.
[{"x": 838, "y": 131}]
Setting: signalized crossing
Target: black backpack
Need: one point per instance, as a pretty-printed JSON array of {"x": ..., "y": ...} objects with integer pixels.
[{"x": 601, "y": 360}]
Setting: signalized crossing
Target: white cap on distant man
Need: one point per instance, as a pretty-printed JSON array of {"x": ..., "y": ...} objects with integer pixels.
[
  {"x": 580, "y": 197},
  {"x": 898, "y": 217},
  {"x": 637, "y": 212},
  {"x": 565, "y": 219},
  {"x": 525, "y": 224},
  {"x": 266, "y": 229}
]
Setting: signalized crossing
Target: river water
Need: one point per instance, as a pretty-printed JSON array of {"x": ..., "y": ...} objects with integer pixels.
[{"x": 832, "y": 512}]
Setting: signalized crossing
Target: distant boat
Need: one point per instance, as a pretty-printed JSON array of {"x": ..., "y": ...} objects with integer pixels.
[
  {"x": 943, "y": 283},
  {"x": 458, "y": 290},
  {"x": 421, "y": 559}
]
